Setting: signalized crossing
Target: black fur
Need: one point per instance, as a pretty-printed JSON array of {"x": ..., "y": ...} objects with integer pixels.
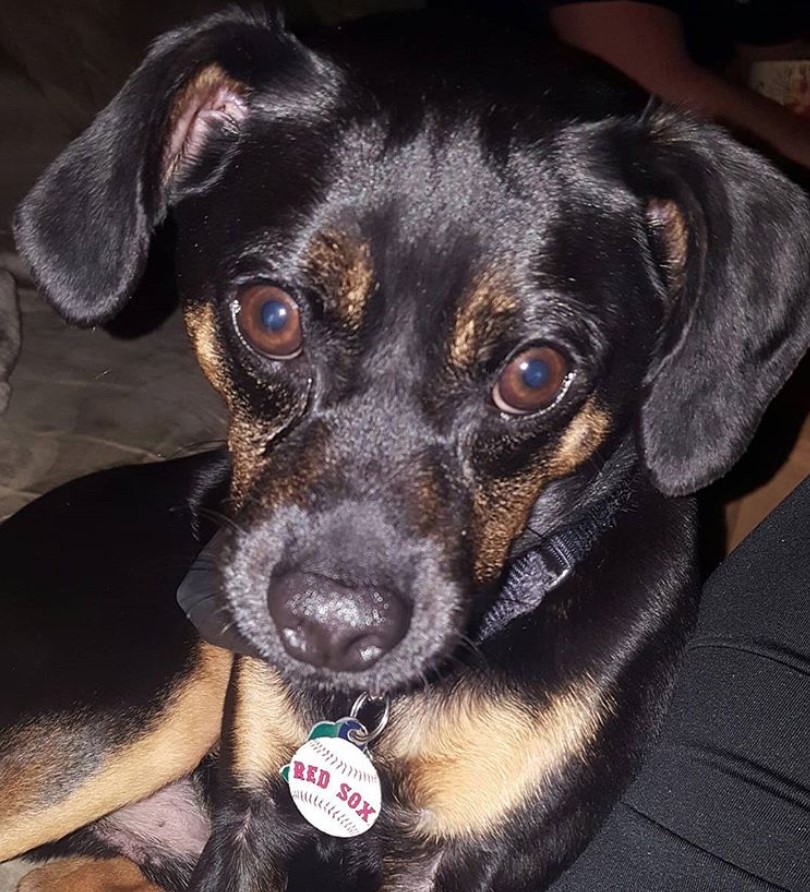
[{"x": 452, "y": 155}]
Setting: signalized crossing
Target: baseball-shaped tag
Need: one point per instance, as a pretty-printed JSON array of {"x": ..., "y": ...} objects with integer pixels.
[{"x": 335, "y": 786}]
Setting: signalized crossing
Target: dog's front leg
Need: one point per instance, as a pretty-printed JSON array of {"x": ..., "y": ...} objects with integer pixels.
[
  {"x": 251, "y": 839},
  {"x": 494, "y": 865},
  {"x": 241, "y": 856},
  {"x": 516, "y": 859}
]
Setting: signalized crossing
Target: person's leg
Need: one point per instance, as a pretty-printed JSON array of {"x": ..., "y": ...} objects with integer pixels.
[{"x": 723, "y": 802}]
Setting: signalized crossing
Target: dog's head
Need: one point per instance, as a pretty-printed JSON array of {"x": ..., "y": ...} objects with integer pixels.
[{"x": 448, "y": 296}]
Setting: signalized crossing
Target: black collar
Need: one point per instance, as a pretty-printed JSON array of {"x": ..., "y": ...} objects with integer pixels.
[
  {"x": 529, "y": 578},
  {"x": 548, "y": 563}
]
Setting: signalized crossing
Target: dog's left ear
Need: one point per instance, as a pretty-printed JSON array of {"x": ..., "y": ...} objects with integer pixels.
[
  {"x": 85, "y": 227},
  {"x": 733, "y": 238}
]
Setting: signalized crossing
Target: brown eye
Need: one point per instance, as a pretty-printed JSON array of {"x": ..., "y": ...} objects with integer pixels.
[
  {"x": 269, "y": 321},
  {"x": 531, "y": 381}
]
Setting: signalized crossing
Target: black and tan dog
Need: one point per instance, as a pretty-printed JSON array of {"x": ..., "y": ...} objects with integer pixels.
[{"x": 471, "y": 305}]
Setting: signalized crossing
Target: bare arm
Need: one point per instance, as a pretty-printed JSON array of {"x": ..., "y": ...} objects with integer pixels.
[{"x": 647, "y": 43}]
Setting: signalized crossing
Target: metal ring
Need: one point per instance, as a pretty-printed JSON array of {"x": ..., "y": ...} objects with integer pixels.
[{"x": 371, "y": 733}]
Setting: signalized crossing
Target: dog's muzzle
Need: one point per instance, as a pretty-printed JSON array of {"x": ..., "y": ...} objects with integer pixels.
[{"x": 341, "y": 626}]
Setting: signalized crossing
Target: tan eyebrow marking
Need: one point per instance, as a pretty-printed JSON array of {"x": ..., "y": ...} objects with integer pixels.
[
  {"x": 485, "y": 312},
  {"x": 342, "y": 267}
]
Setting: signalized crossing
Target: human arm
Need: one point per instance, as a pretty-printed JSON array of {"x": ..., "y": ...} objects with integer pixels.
[{"x": 647, "y": 43}]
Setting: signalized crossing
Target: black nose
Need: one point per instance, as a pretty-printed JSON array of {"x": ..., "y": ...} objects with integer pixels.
[{"x": 331, "y": 625}]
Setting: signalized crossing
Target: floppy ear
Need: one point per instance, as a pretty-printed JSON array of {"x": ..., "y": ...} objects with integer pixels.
[
  {"x": 735, "y": 239},
  {"x": 85, "y": 226}
]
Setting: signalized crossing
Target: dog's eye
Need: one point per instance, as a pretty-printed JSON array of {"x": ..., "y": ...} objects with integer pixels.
[
  {"x": 531, "y": 381},
  {"x": 269, "y": 321}
]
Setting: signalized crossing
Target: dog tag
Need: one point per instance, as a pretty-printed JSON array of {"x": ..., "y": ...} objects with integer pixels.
[{"x": 335, "y": 786}]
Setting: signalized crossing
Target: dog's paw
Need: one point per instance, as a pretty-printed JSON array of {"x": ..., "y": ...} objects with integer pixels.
[{"x": 86, "y": 875}]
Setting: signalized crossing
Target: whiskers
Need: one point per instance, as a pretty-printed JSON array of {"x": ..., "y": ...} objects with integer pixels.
[
  {"x": 222, "y": 520},
  {"x": 205, "y": 596},
  {"x": 198, "y": 446},
  {"x": 472, "y": 647}
]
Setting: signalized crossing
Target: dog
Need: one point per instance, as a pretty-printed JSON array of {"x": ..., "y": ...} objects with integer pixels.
[{"x": 484, "y": 318}]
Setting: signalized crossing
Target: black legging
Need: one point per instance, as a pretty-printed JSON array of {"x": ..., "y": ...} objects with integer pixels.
[{"x": 723, "y": 802}]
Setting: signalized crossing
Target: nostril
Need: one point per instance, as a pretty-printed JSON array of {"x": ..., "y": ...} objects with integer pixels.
[
  {"x": 365, "y": 651},
  {"x": 300, "y": 643},
  {"x": 328, "y": 624},
  {"x": 369, "y": 649}
]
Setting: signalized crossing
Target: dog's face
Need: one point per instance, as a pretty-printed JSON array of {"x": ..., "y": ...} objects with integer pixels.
[
  {"x": 411, "y": 355},
  {"x": 445, "y": 304}
]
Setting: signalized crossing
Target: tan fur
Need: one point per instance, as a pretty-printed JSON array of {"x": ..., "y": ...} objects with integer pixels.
[
  {"x": 581, "y": 439},
  {"x": 87, "y": 875},
  {"x": 482, "y": 315},
  {"x": 169, "y": 748},
  {"x": 248, "y": 439},
  {"x": 426, "y": 506},
  {"x": 248, "y": 435},
  {"x": 201, "y": 325},
  {"x": 666, "y": 217},
  {"x": 266, "y": 726},
  {"x": 502, "y": 507},
  {"x": 468, "y": 759},
  {"x": 342, "y": 268},
  {"x": 31, "y": 756}
]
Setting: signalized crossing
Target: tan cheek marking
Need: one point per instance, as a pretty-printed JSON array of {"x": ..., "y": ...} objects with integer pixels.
[
  {"x": 168, "y": 749},
  {"x": 503, "y": 506},
  {"x": 484, "y": 313},
  {"x": 343, "y": 268},
  {"x": 266, "y": 727},
  {"x": 425, "y": 506},
  {"x": 501, "y": 512},
  {"x": 202, "y": 330},
  {"x": 87, "y": 875},
  {"x": 289, "y": 482},
  {"x": 582, "y": 438},
  {"x": 248, "y": 435},
  {"x": 248, "y": 439},
  {"x": 469, "y": 762}
]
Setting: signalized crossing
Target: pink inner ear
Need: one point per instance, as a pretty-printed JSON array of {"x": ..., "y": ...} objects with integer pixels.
[{"x": 211, "y": 102}]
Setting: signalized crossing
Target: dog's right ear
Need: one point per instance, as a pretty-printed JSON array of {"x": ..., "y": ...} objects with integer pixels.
[{"x": 85, "y": 227}]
